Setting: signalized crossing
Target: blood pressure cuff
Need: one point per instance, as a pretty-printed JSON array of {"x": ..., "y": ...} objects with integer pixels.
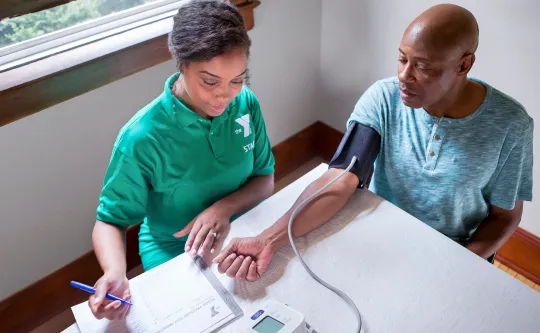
[{"x": 364, "y": 143}]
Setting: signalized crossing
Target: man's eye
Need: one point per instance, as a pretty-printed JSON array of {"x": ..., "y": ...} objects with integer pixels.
[
  {"x": 238, "y": 82},
  {"x": 210, "y": 83}
]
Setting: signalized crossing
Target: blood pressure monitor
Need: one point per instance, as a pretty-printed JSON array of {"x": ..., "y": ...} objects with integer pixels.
[{"x": 275, "y": 317}]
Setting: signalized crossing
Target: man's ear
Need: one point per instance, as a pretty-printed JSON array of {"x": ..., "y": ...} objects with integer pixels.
[{"x": 466, "y": 64}]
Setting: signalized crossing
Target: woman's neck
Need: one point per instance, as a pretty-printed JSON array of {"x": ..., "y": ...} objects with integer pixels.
[{"x": 179, "y": 90}]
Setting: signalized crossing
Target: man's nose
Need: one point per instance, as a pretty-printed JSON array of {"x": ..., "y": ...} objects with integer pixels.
[{"x": 405, "y": 73}]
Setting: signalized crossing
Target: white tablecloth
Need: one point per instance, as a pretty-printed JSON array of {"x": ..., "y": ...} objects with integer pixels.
[{"x": 403, "y": 275}]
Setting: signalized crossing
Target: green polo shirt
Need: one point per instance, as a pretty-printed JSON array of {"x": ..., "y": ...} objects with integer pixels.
[{"x": 169, "y": 164}]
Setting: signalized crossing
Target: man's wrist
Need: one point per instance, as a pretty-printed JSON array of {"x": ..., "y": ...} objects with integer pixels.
[{"x": 274, "y": 237}]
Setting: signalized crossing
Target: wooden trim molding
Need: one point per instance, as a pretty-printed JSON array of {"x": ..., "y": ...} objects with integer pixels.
[
  {"x": 52, "y": 295},
  {"x": 38, "y": 85},
  {"x": 12, "y": 8},
  {"x": 522, "y": 254}
]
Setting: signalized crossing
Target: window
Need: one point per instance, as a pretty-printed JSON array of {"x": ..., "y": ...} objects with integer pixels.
[
  {"x": 54, "y": 50},
  {"x": 36, "y": 35}
]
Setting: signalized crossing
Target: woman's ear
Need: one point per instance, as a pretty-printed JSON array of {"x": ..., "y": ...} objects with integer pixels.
[{"x": 182, "y": 68}]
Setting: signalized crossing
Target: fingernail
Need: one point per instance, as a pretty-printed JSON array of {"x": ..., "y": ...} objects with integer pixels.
[
  {"x": 117, "y": 305},
  {"x": 96, "y": 300},
  {"x": 201, "y": 252},
  {"x": 194, "y": 252},
  {"x": 233, "y": 255},
  {"x": 187, "y": 248},
  {"x": 211, "y": 250},
  {"x": 241, "y": 257}
]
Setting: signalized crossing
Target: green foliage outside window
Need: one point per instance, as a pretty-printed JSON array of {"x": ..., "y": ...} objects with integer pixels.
[{"x": 18, "y": 29}]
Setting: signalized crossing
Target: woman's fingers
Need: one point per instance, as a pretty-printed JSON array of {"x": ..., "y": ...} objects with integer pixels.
[
  {"x": 208, "y": 243},
  {"x": 125, "y": 311},
  {"x": 199, "y": 238},
  {"x": 191, "y": 238},
  {"x": 109, "y": 311}
]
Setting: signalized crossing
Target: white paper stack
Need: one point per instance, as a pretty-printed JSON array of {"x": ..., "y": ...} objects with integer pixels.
[{"x": 181, "y": 295}]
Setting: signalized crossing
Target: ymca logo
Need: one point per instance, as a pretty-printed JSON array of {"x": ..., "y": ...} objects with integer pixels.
[{"x": 244, "y": 122}]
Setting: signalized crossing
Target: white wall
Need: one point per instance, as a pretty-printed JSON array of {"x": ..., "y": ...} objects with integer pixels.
[
  {"x": 360, "y": 40},
  {"x": 52, "y": 163}
]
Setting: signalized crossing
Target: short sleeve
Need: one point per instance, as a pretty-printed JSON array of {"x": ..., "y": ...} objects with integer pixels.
[
  {"x": 514, "y": 181},
  {"x": 369, "y": 108},
  {"x": 263, "y": 157},
  {"x": 124, "y": 196}
]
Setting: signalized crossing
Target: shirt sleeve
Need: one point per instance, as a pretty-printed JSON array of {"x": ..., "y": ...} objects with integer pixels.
[
  {"x": 124, "y": 196},
  {"x": 263, "y": 157},
  {"x": 368, "y": 110},
  {"x": 514, "y": 181}
]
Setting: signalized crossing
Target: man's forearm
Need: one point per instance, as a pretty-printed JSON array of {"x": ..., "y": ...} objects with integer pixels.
[
  {"x": 491, "y": 235},
  {"x": 250, "y": 194},
  {"x": 316, "y": 213}
]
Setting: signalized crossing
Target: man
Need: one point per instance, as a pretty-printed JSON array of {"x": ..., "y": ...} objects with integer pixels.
[{"x": 454, "y": 152}]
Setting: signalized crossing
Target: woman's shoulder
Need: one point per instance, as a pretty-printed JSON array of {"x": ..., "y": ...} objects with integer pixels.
[
  {"x": 139, "y": 132},
  {"x": 247, "y": 99}
]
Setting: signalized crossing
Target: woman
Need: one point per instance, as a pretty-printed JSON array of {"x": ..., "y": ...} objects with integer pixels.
[{"x": 190, "y": 160}]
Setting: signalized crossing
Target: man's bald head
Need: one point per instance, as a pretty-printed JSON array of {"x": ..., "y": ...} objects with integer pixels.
[
  {"x": 436, "y": 54},
  {"x": 449, "y": 28}
]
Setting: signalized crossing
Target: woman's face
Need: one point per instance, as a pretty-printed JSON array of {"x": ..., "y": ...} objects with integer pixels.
[{"x": 209, "y": 86}]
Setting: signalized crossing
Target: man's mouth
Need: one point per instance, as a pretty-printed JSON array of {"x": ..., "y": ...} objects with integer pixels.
[{"x": 407, "y": 93}]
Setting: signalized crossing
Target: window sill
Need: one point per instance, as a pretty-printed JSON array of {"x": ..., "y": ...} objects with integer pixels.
[{"x": 38, "y": 85}]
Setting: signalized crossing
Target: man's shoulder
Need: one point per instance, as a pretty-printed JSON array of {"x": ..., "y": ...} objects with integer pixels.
[
  {"x": 506, "y": 111},
  {"x": 386, "y": 90},
  {"x": 389, "y": 85}
]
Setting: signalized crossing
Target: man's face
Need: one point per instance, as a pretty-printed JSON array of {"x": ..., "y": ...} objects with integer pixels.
[{"x": 426, "y": 73}]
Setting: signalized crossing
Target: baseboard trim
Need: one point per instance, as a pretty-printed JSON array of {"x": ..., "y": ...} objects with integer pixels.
[
  {"x": 52, "y": 295},
  {"x": 522, "y": 254}
]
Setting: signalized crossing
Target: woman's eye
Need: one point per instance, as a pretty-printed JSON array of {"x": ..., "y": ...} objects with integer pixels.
[
  {"x": 402, "y": 60},
  {"x": 210, "y": 83},
  {"x": 238, "y": 82}
]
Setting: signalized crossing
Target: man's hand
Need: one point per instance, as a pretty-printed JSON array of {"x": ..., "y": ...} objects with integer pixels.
[
  {"x": 205, "y": 231},
  {"x": 245, "y": 258}
]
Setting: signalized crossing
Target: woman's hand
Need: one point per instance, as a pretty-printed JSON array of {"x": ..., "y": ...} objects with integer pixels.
[
  {"x": 115, "y": 283},
  {"x": 245, "y": 258},
  {"x": 206, "y": 230}
]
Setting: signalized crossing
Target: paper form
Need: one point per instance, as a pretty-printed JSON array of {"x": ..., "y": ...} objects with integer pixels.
[{"x": 173, "y": 297}]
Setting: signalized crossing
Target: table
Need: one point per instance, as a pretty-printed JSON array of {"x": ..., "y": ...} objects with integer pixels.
[{"x": 403, "y": 275}]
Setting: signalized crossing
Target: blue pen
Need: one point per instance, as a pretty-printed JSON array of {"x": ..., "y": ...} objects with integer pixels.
[{"x": 93, "y": 291}]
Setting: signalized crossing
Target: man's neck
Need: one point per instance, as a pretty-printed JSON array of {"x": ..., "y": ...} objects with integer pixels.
[{"x": 461, "y": 101}]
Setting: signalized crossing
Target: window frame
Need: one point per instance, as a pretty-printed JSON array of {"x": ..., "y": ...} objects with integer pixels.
[
  {"x": 42, "y": 46},
  {"x": 40, "y": 84}
]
